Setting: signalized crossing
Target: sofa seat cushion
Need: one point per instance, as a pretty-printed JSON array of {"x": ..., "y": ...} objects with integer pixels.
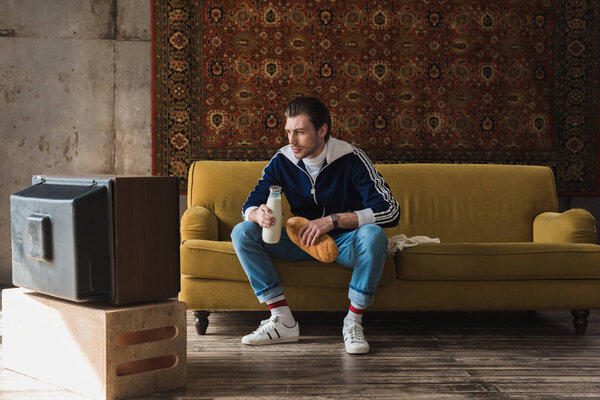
[
  {"x": 499, "y": 261},
  {"x": 217, "y": 260}
]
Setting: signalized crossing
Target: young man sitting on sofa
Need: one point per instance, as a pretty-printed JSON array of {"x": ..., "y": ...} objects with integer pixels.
[{"x": 335, "y": 186}]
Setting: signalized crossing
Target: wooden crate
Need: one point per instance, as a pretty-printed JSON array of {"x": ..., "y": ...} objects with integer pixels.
[{"x": 95, "y": 349}]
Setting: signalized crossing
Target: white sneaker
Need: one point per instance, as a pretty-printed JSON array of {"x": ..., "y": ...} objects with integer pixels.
[
  {"x": 271, "y": 331},
  {"x": 354, "y": 339}
]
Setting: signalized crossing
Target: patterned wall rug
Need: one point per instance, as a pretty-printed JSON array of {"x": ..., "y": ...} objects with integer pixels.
[{"x": 453, "y": 81}]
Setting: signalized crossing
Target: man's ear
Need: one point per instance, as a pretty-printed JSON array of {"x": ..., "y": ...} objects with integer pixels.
[{"x": 322, "y": 132}]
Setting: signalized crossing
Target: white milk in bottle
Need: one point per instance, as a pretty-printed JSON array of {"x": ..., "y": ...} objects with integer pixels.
[{"x": 272, "y": 234}]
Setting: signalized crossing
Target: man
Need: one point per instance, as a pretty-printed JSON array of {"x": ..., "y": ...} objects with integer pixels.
[{"x": 335, "y": 186}]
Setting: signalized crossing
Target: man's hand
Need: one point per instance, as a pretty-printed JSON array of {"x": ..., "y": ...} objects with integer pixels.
[
  {"x": 263, "y": 216},
  {"x": 309, "y": 234}
]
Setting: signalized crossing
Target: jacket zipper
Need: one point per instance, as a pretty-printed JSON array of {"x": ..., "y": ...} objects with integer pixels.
[
  {"x": 322, "y": 215},
  {"x": 313, "y": 189}
]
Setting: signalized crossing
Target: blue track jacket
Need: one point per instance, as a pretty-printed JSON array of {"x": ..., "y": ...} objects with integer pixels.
[{"x": 347, "y": 182}]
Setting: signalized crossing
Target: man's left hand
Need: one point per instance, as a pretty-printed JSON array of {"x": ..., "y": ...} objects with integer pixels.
[{"x": 312, "y": 231}]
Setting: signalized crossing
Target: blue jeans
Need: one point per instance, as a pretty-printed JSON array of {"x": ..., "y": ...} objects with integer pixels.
[{"x": 363, "y": 250}]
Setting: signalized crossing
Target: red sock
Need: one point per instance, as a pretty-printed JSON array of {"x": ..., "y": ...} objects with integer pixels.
[
  {"x": 355, "y": 313},
  {"x": 278, "y": 304},
  {"x": 355, "y": 310},
  {"x": 279, "y": 307}
]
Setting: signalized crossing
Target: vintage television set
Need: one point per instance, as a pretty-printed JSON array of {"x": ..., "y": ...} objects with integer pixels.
[{"x": 108, "y": 238}]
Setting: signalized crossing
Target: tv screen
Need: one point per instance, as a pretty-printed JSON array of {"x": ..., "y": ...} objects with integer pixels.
[{"x": 61, "y": 238}]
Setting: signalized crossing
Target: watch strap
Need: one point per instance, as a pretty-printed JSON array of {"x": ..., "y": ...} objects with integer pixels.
[{"x": 335, "y": 220}]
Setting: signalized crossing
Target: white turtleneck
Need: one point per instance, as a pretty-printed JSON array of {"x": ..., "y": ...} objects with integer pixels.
[{"x": 314, "y": 165}]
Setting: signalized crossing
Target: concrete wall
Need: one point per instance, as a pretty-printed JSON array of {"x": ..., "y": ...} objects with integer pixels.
[{"x": 75, "y": 95}]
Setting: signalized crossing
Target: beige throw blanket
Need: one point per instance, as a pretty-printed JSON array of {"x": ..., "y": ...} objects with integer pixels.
[{"x": 399, "y": 242}]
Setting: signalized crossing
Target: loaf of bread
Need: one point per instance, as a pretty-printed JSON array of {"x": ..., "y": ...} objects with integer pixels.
[{"x": 325, "y": 250}]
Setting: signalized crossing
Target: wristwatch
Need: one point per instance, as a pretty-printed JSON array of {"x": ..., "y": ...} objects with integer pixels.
[{"x": 334, "y": 219}]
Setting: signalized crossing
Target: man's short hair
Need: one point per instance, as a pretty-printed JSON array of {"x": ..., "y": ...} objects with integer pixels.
[{"x": 317, "y": 112}]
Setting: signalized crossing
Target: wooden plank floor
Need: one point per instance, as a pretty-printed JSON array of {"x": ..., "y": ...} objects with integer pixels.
[{"x": 415, "y": 355}]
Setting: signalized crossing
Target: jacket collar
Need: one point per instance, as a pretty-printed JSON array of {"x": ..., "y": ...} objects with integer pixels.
[{"x": 335, "y": 149}]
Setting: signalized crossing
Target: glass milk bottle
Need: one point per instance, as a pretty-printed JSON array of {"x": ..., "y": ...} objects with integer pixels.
[{"x": 272, "y": 234}]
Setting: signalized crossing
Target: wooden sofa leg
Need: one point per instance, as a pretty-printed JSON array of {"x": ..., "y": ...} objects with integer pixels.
[
  {"x": 201, "y": 321},
  {"x": 580, "y": 320}
]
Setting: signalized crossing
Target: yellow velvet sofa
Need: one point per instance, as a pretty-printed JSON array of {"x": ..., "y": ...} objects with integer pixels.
[{"x": 503, "y": 245}]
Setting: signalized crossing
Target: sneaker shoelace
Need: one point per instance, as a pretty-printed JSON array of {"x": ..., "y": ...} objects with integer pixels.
[
  {"x": 266, "y": 325},
  {"x": 355, "y": 333}
]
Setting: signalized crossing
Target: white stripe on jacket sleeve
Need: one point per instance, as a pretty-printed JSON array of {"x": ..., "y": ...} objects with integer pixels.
[{"x": 392, "y": 212}]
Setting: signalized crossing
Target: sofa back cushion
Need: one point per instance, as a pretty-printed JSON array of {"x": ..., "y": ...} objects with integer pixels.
[
  {"x": 454, "y": 202},
  {"x": 470, "y": 203}
]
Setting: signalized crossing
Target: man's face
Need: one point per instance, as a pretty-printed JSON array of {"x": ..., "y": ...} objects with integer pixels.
[{"x": 305, "y": 140}]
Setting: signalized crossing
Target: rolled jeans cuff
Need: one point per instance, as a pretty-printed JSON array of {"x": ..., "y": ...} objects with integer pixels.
[
  {"x": 360, "y": 297},
  {"x": 269, "y": 292}
]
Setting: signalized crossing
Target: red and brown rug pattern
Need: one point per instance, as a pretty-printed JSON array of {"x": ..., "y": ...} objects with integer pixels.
[{"x": 453, "y": 81}]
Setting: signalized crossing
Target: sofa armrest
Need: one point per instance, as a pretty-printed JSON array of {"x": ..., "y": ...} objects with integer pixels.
[
  {"x": 572, "y": 226},
  {"x": 199, "y": 223}
]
